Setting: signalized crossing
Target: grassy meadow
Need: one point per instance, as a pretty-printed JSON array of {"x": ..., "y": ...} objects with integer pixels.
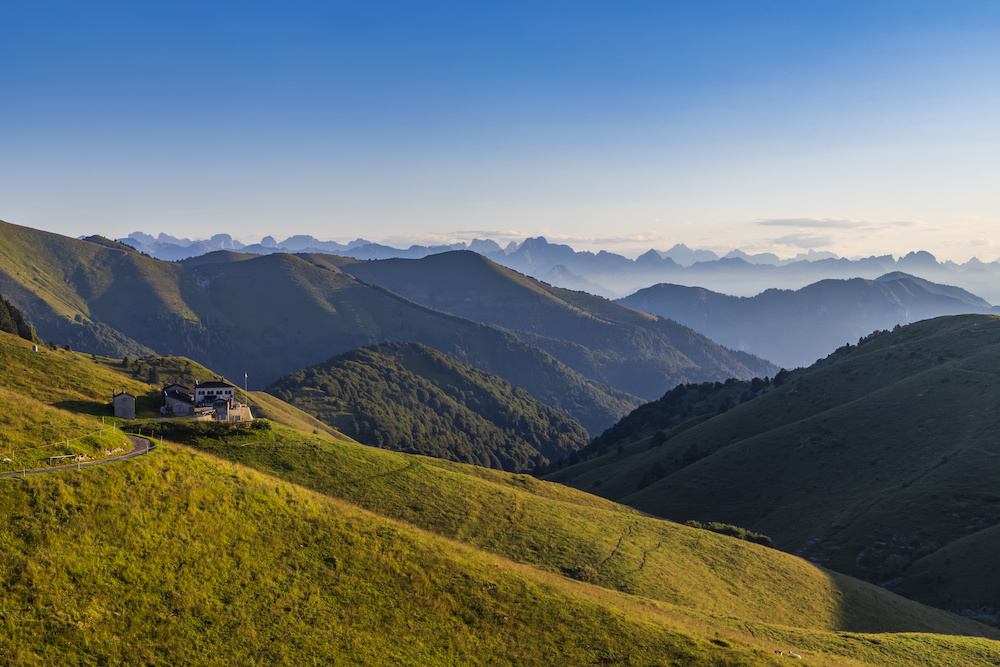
[
  {"x": 576, "y": 534},
  {"x": 180, "y": 557},
  {"x": 262, "y": 544}
]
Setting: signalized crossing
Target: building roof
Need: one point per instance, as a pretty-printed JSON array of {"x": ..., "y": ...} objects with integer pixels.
[
  {"x": 182, "y": 396},
  {"x": 214, "y": 385}
]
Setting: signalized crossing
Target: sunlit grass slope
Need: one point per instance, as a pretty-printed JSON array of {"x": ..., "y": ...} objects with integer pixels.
[
  {"x": 53, "y": 396},
  {"x": 867, "y": 461},
  {"x": 579, "y": 535},
  {"x": 51, "y": 404},
  {"x": 266, "y": 406},
  {"x": 178, "y": 558},
  {"x": 62, "y": 378}
]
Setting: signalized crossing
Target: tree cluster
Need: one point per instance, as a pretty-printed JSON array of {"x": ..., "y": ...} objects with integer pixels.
[
  {"x": 12, "y": 322},
  {"x": 732, "y": 531},
  {"x": 408, "y": 397}
]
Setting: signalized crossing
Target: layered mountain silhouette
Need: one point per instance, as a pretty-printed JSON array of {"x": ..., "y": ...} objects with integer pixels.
[
  {"x": 271, "y": 315},
  {"x": 796, "y": 327},
  {"x": 612, "y": 275},
  {"x": 596, "y": 337}
]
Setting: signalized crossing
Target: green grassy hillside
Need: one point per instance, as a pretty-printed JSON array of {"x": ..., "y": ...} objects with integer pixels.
[
  {"x": 633, "y": 351},
  {"x": 53, "y": 403},
  {"x": 178, "y": 558},
  {"x": 577, "y": 534},
  {"x": 408, "y": 397},
  {"x": 389, "y": 558},
  {"x": 269, "y": 407},
  {"x": 57, "y": 402},
  {"x": 868, "y": 461},
  {"x": 76, "y": 291}
]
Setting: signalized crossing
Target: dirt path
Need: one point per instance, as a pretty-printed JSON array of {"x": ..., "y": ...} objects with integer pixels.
[{"x": 140, "y": 446}]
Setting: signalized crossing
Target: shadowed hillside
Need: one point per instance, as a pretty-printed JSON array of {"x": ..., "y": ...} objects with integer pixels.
[
  {"x": 870, "y": 461},
  {"x": 624, "y": 348},
  {"x": 795, "y": 328}
]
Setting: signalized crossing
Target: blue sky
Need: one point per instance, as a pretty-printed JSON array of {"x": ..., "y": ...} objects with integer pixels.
[{"x": 856, "y": 127}]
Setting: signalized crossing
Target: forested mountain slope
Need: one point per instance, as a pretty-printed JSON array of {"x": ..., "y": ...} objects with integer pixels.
[{"x": 409, "y": 397}]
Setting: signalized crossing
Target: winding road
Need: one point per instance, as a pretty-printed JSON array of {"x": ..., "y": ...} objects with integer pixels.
[{"x": 140, "y": 446}]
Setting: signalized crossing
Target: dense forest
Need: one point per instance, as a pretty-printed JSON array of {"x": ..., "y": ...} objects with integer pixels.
[
  {"x": 411, "y": 398},
  {"x": 11, "y": 321}
]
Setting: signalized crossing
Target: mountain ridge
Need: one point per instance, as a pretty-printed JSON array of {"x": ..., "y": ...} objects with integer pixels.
[{"x": 794, "y": 328}]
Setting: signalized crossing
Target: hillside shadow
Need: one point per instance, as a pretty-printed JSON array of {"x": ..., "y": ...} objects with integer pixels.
[
  {"x": 93, "y": 408},
  {"x": 145, "y": 404},
  {"x": 867, "y": 608}
]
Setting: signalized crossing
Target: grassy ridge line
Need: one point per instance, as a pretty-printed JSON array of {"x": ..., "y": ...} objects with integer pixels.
[
  {"x": 49, "y": 397},
  {"x": 25, "y": 422},
  {"x": 76, "y": 277},
  {"x": 570, "y": 532},
  {"x": 180, "y": 557},
  {"x": 61, "y": 378}
]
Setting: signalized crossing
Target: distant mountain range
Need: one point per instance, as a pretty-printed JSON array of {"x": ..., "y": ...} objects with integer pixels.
[
  {"x": 795, "y": 328},
  {"x": 613, "y": 276},
  {"x": 272, "y": 315}
]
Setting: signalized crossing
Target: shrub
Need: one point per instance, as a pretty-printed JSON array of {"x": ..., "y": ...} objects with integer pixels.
[
  {"x": 586, "y": 574},
  {"x": 732, "y": 531}
]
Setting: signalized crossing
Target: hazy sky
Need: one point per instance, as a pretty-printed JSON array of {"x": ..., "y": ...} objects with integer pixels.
[{"x": 857, "y": 127}]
